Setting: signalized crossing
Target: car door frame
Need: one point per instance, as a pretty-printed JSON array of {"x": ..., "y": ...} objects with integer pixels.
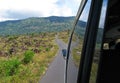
[{"x": 89, "y": 41}]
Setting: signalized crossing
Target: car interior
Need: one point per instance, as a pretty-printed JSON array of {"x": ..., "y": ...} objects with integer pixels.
[{"x": 109, "y": 70}]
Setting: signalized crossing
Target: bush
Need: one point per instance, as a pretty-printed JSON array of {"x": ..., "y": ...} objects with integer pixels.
[
  {"x": 9, "y": 68},
  {"x": 47, "y": 49},
  {"x": 28, "y": 56}
]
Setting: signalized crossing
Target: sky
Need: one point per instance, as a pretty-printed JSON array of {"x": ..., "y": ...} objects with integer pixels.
[{"x": 20, "y": 9}]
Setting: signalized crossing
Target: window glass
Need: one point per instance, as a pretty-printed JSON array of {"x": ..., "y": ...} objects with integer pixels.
[
  {"x": 98, "y": 43},
  {"x": 76, "y": 45}
]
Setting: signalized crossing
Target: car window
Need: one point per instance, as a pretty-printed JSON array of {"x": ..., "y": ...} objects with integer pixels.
[
  {"x": 76, "y": 45},
  {"x": 98, "y": 43}
]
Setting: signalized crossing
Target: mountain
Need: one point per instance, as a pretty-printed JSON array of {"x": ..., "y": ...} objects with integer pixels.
[
  {"x": 37, "y": 25},
  {"x": 43, "y": 24}
]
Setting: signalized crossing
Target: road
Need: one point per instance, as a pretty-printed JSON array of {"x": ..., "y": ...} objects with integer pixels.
[
  {"x": 72, "y": 71},
  {"x": 55, "y": 72}
]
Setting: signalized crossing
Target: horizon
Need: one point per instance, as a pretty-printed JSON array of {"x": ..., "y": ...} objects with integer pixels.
[
  {"x": 21, "y": 9},
  {"x": 34, "y": 17},
  {"x": 18, "y": 10}
]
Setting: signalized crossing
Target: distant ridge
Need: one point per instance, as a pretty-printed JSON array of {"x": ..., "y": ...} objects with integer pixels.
[
  {"x": 59, "y": 19},
  {"x": 37, "y": 25}
]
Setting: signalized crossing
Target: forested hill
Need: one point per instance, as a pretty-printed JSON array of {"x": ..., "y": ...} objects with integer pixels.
[{"x": 37, "y": 25}]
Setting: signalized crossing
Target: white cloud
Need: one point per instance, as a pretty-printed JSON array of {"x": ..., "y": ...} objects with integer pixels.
[{"x": 38, "y": 8}]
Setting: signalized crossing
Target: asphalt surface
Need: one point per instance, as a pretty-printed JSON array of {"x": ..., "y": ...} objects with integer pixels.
[
  {"x": 72, "y": 71},
  {"x": 55, "y": 72}
]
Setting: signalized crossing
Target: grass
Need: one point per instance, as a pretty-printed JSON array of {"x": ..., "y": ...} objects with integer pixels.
[
  {"x": 44, "y": 48},
  {"x": 76, "y": 54},
  {"x": 64, "y": 35},
  {"x": 93, "y": 73},
  {"x": 76, "y": 57},
  {"x": 76, "y": 51}
]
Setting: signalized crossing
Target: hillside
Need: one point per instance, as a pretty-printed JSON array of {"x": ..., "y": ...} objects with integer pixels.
[
  {"x": 42, "y": 24},
  {"x": 25, "y": 58},
  {"x": 37, "y": 25}
]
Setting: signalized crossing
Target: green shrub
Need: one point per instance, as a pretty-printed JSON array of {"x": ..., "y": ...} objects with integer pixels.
[
  {"x": 9, "y": 68},
  {"x": 47, "y": 49},
  {"x": 28, "y": 56}
]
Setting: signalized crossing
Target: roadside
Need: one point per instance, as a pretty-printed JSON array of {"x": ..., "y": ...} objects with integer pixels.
[{"x": 55, "y": 72}]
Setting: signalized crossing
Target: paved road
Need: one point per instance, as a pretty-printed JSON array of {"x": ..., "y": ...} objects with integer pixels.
[
  {"x": 55, "y": 72},
  {"x": 72, "y": 69}
]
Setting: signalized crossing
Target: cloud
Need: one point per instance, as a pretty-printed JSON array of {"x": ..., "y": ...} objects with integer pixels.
[{"x": 18, "y": 9}]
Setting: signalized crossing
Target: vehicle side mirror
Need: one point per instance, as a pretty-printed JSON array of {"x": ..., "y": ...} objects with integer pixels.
[{"x": 64, "y": 53}]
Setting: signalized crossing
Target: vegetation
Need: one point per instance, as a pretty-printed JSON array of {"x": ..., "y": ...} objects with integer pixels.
[
  {"x": 25, "y": 58},
  {"x": 28, "y": 56},
  {"x": 93, "y": 73},
  {"x": 64, "y": 35},
  {"x": 35, "y": 25},
  {"x": 27, "y": 46},
  {"x": 9, "y": 67},
  {"x": 76, "y": 54}
]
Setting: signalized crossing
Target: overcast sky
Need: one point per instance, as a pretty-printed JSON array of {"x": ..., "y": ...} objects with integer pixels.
[{"x": 20, "y": 9}]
